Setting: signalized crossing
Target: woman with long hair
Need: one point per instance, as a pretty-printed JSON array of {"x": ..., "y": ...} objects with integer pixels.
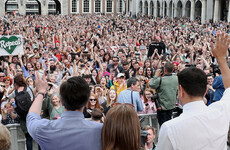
[
  {"x": 149, "y": 104},
  {"x": 92, "y": 104},
  {"x": 140, "y": 72},
  {"x": 111, "y": 99},
  {"x": 149, "y": 73},
  {"x": 121, "y": 129},
  {"x": 20, "y": 85}
]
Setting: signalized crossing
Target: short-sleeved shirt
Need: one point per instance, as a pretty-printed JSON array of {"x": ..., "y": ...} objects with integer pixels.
[
  {"x": 70, "y": 132},
  {"x": 126, "y": 97}
]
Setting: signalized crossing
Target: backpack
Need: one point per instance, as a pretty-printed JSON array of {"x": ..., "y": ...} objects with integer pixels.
[{"x": 23, "y": 102}]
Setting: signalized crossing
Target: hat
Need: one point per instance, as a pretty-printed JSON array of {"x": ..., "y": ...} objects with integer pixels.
[
  {"x": 31, "y": 56},
  {"x": 120, "y": 75},
  {"x": 187, "y": 61},
  {"x": 176, "y": 63}
]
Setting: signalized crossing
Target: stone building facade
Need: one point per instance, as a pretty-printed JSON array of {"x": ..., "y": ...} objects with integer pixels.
[{"x": 205, "y": 9}]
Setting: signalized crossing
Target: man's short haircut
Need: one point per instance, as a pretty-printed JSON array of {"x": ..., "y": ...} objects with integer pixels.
[
  {"x": 132, "y": 81},
  {"x": 74, "y": 93},
  {"x": 193, "y": 80},
  {"x": 210, "y": 75},
  {"x": 169, "y": 67},
  {"x": 125, "y": 63},
  {"x": 116, "y": 57},
  {"x": 87, "y": 76},
  {"x": 149, "y": 127},
  {"x": 96, "y": 114},
  {"x": 5, "y": 139}
]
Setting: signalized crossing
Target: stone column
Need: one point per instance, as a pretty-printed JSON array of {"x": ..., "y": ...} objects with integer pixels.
[
  {"x": 114, "y": 7},
  {"x": 92, "y": 6},
  {"x": 172, "y": 10},
  {"x": 168, "y": 10},
  {"x": 229, "y": 11},
  {"x": 64, "y": 7},
  {"x": 175, "y": 11},
  {"x": 143, "y": 7},
  {"x": 163, "y": 9},
  {"x": 2, "y": 8},
  {"x": 183, "y": 10},
  {"x": 44, "y": 7},
  {"x": 155, "y": 9},
  {"x": 123, "y": 6},
  {"x": 149, "y": 9},
  {"x": 103, "y": 6},
  {"x": 203, "y": 13},
  {"x": 21, "y": 7},
  {"x": 134, "y": 12},
  {"x": 216, "y": 11},
  {"x": 192, "y": 13}
]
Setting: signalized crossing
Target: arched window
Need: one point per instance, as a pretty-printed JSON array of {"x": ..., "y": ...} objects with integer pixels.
[
  {"x": 97, "y": 5},
  {"x": 86, "y": 6},
  {"x": 109, "y": 6},
  {"x": 74, "y": 6}
]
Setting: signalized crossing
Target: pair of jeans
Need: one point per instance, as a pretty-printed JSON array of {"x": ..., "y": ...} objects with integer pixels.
[
  {"x": 164, "y": 115},
  {"x": 29, "y": 142}
]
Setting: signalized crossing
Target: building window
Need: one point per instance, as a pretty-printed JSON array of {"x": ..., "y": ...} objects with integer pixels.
[
  {"x": 97, "y": 5},
  {"x": 120, "y": 6},
  {"x": 109, "y": 6},
  {"x": 86, "y": 6},
  {"x": 74, "y": 6}
]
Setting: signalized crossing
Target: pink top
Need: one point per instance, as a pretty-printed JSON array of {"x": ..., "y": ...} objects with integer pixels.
[{"x": 150, "y": 109}]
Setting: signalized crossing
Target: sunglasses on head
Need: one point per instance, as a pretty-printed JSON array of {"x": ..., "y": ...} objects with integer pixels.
[{"x": 93, "y": 99}]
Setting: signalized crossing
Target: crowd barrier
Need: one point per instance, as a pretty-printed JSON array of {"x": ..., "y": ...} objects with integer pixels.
[
  {"x": 151, "y": 120},
  {"x": 18, "y": 141}
]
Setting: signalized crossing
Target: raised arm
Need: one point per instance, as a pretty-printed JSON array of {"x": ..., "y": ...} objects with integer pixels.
[
  {"x": 41, "y": 85},
  {"x": 220, "y": 51}
]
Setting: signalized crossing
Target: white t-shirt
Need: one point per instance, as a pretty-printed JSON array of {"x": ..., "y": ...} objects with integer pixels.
[{"x": 199, "y": 127}]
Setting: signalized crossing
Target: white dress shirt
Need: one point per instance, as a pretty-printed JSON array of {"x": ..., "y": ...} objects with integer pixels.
[{"x": 199, "y": 127}]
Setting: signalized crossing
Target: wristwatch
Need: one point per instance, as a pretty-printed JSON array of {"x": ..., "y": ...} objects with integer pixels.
[{"x": 43, "y": 94}]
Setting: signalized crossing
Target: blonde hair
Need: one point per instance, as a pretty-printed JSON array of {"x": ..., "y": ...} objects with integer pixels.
[
  {"x": 5, "y": 138},
  {"x": 108, "y": 98}
]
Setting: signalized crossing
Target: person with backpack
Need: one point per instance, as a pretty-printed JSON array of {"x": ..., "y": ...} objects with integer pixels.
[{"x": 23, "y": 96}]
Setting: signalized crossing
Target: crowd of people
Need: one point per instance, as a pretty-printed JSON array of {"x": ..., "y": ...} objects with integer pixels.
[{"x": 123, "y": 60}]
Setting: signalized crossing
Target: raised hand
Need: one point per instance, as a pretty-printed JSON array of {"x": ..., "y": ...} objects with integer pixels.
[
  {"x": 220, "y": 49},
  {"x": 41, "y": 83},
  {"x": 220, "y": 52}
]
